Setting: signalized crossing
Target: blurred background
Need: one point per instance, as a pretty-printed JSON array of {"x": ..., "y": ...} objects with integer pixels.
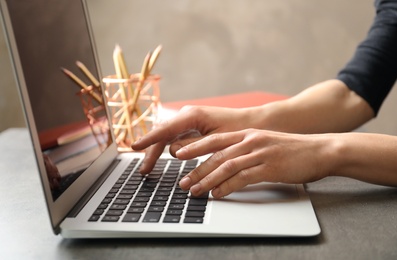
[{"x": 213, "y": 48}]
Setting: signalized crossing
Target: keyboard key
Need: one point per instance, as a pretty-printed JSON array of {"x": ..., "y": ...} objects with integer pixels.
[
  {"x": 171, "y": 219},
  {"x": 166, "y": 184},
  {"x": 164, "y": 188},
  {"x": 196, "y": 208},
  {"x": 125, "y": 196},
  {"x": 130, "y": 187},
  {"x": 98, "y": 212},
  {"x": 158, "y": 203},
  {"x": 169, "y": 180},
  {"x": 121, "y": 201},
  {"x": 94, "y": 218},
  {"x": 198, "y": 202},
  {"x": 160, "y": 198},
  {"x": 193, "y": 220},
  {"x": 103, "y": 206},
  {"x": 131, "y": 217},
  {"x": 149, "y": 185},
  {"x": 120, "y": 181},
  {"x": 202, "y": 196},
  {"x": 135, "y": 210},
  {"x": 110, "y": 218},
  {"x": 110, "y": 195},
  {"x": 141, "y": 199},
  {"x": 144, "y": 194},
  {"x": 176, "y": 206},
  {"x": 155, "y": 209},
  {"x": 118, "y": 206},
  {"x": 163, "y": 193},
  {"x": 107, "y": 200},
  {"x": 153, "y": 175},
  {"x": 178, "y": 201},
  {"x": 180, "y": 191},
  {"x": 151, "y": 189},
  {"x": 114, "y": 213},
  {"x": 139, "y": 204},
  {"x": 135, "y": 178},
  {"x": 152, "y": 180},
  {"x": 174, "y": 212},
  {"x": 199, "y": 214},
  {"x": 130, "y": 182},
  {"x": 179, "y": 196},
  {"x": 126, "y": 191},
  {"x": 172, "y": 175},
  {"x": 123, "y": 176},
  {"x": 152, "y": 217}
]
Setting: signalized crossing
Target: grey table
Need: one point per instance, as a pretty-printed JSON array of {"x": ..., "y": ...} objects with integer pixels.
[{"x": 358, "y": 221}]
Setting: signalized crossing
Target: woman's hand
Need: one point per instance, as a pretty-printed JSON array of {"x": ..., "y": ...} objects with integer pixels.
[
  {"x": 191, "y": 124},
  {"x": 252, "y": 156}
]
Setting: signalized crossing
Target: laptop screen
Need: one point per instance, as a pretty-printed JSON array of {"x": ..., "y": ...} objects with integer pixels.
[{"x": 52, "y": 36}]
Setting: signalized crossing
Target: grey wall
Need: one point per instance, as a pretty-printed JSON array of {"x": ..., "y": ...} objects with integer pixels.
[{"x": 225, "y": 46}]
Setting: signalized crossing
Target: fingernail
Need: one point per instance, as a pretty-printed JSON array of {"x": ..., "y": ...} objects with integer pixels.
[
  {"x": 179, "y": 151},
  {"x": 185, "y": 182},
  {"x": 142, "y": 168},
  {"x": 196, "y": 189},
  {"x": 137, "y": 141},
  {"x": 216, "y": 192}
]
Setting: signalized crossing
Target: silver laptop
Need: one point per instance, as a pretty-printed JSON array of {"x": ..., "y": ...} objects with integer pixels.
[{"x": 93, "y": 191}]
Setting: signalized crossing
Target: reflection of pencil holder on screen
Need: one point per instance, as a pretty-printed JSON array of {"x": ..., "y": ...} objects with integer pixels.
[
  {"x": 95, "y": 113},
  {"x": 133, "y": 105}
]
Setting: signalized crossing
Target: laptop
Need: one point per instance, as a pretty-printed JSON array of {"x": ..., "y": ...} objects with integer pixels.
[{"x": 92, "y": 190}]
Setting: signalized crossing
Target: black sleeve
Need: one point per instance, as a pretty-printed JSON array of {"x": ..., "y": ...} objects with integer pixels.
[{"x": 372, "y": 71}]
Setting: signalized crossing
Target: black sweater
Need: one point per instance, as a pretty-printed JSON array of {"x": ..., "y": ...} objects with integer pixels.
[{"x": 372, "y": 71}]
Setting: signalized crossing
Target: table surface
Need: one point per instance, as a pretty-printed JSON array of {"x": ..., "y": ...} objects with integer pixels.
[{"x": 358, "y": 221}]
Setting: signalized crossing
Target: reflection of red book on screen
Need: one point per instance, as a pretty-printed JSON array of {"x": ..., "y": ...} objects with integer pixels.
[
  {"x": 62, "y": 134},
  {"x": 70, "y": 147},
  {"x": 74, "y": 156},
  {"x": 74, "y": 135},
  {"x": 72, "y": 132}
]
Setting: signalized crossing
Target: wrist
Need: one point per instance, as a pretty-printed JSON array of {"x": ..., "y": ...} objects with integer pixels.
[
  {"x": 273, "y": 116},
  {"x": 334, "y": 154}
]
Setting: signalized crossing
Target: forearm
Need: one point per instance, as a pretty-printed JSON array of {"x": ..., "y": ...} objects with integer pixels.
[
  {"x": 325, "y": 107},
  {"x": 367, "y": 157}
]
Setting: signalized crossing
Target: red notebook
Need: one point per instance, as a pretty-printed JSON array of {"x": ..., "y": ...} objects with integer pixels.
[{"x": 246, "y": 99}]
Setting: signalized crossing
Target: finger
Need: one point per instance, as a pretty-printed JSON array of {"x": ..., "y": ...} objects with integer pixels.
[
  {"x": 207, "y": 145},
  {"x": 239, "y": 180},
  {"x": 178, "y": 144},
  {"x": 181, "y": 140},
  {"x": 200, "y": 174},
  {"x": 151, "y": 155},
  {"x": 167, "y": 130},
  {"x": 231, "y": 175}
]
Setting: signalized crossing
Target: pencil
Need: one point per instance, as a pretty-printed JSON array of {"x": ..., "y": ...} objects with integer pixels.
[
  {"x": 154, "y": 57},
  {"x": 82, "y": 85},
  {"x": 126, "y": 116},
  {"x": 142, "y": 77},
  {"x": 89, "y": 75}
]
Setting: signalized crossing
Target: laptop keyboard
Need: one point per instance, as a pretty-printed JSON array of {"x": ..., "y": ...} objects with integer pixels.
[{"x": 153, "y": 198}]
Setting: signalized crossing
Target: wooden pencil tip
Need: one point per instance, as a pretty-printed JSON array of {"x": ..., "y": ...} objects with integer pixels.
[
  {"x": 117, "y": 48},
  {"x": 65, "y": 70}
]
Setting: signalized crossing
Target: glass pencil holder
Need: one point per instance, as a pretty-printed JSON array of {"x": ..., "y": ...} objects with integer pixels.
[
  {"x": 133, "y": 105},
  {"x": 95, "y": 114}
]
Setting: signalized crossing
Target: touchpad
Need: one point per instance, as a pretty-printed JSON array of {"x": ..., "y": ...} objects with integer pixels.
[{"x": 265, "y": 192}]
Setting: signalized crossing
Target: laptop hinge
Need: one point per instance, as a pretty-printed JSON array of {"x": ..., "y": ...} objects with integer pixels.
[{"x": 88, "y": 195}]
